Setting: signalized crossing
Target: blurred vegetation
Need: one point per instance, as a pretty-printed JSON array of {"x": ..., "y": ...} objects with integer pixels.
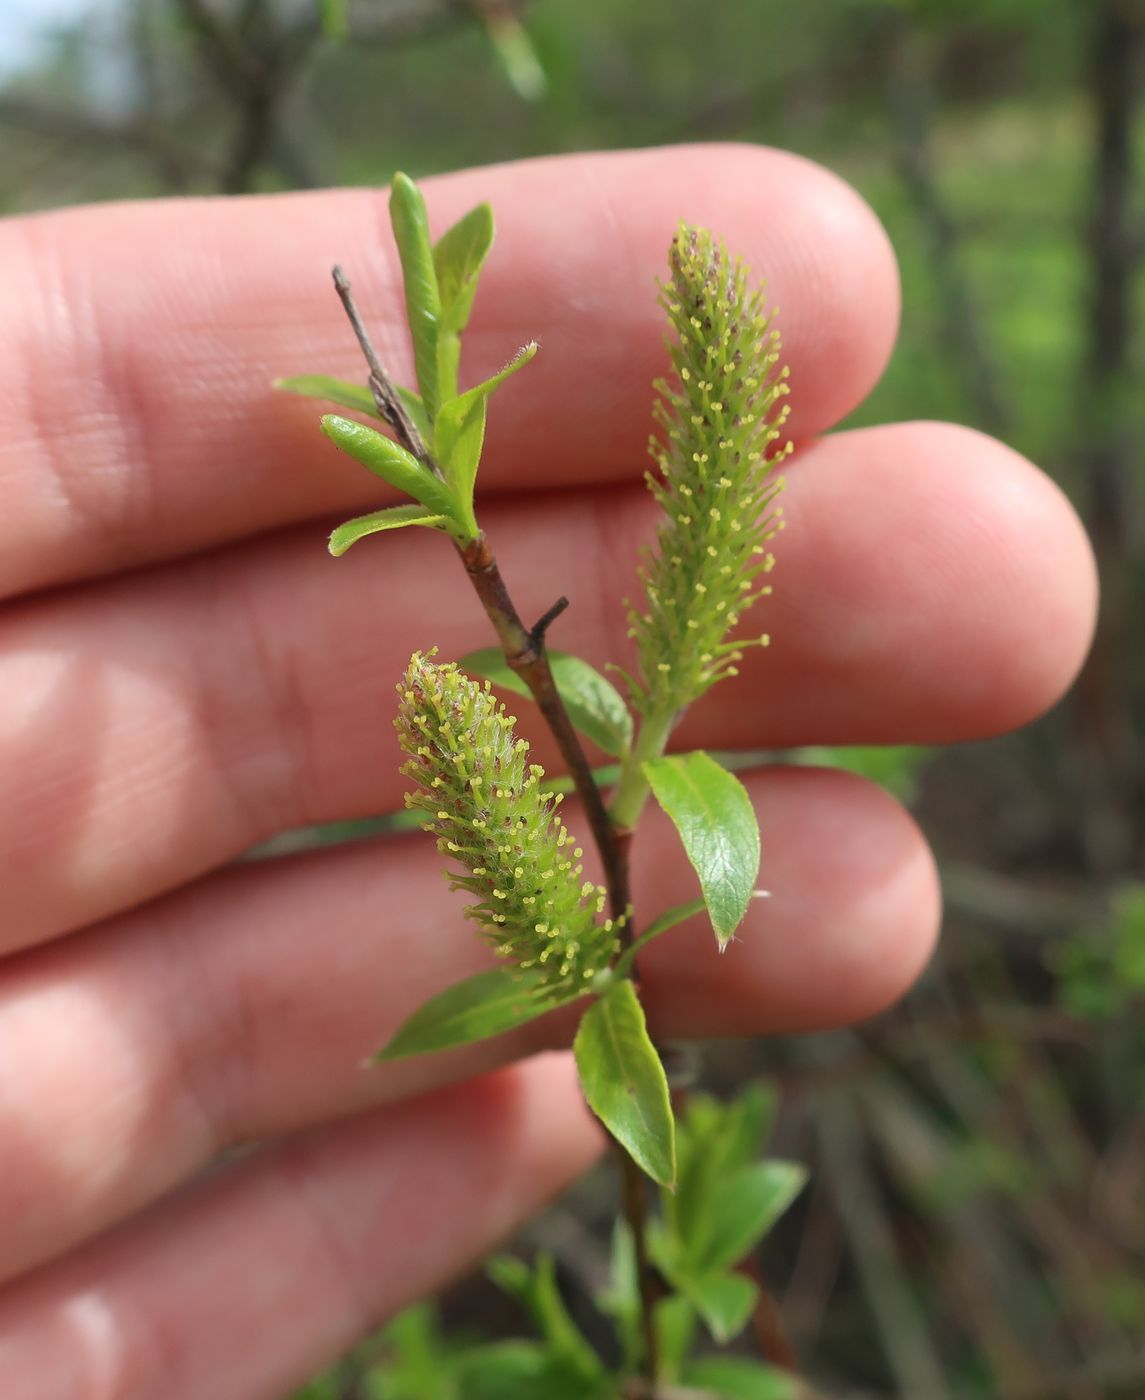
[{"x": 975, "y": 1223}]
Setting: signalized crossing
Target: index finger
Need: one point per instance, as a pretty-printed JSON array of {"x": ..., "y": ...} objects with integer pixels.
[{"x": 137, "y": 421}]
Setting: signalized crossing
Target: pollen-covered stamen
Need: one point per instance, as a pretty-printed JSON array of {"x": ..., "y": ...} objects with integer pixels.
[{"x": 486, "y": 805}]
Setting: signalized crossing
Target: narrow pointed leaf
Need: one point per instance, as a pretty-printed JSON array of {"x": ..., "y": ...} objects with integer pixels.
[
  {"x": 739, "y": 1378},
  {"x": 717, "y": 824},
  {"x": 724, "y": 1301},
  {"x": 330, "y": 390},
  {"x": 459, "y": 431},
  {"x": 459, "y": 438},
  {"x": 594, "y": 704},
  {"x": 536, "y": 1290},
  {"x": 742, "y": 1208},
  {"x": 385, "y": 458},
  {"x": 457, "y": 259},
  {"x": 513, "y": 1370},
  {"x": 480, "y": 1006},
  {"x": 458, "y": 256},
  {"x": 519, "y": 361},
  {"x": 676, "y": 1333},
  {"x": 393, "y": 518},
  {"x": 423, "y": 302},
  {"x": 624, "y": 1081},
  {"x": 354, "y": 396}
]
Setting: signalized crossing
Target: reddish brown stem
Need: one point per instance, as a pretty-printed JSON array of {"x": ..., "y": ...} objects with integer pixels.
[{"x": 525, "y": 652}]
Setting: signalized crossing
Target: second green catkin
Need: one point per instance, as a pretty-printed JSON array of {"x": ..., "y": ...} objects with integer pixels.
[{"x": 484, "y": 802}]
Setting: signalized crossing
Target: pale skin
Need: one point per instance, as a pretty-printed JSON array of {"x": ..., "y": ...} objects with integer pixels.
[{"x": 184, "y": 672}]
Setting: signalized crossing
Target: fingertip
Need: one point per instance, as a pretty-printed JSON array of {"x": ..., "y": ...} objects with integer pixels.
[{"x": 839, "y": 300}]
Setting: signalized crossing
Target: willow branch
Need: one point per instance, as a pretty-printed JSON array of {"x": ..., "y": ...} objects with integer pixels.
[{"x": 526, "y": 654}]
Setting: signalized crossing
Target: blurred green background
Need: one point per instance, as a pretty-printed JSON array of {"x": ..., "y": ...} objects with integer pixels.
[{"x": 976, "y": 1220}]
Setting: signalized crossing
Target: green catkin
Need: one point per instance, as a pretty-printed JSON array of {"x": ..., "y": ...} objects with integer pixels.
[
  {"x": 717, "y": 485},
  {"x": 484, "y": 802}
]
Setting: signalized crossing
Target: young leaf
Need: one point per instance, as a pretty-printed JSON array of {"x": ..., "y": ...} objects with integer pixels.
[
  {"x": 459, "y": 432},
  {"x": 459, "y": 436},
  {"x": 457, "y": 259},
  {"x": 382, "y": 456},
  {"x": 716, "y": 1143},
  {"x": 741, "y": 1210},
  {"x": 330, "y": 390},
  {"x": 716, "y": 821},
  {"x": 738, "y": 1378},
  {"x": 478, "y": 1007},
  {"x": 594, "y": 704},
  {"x": 354, "y": 396},
  {"x": 624, "y": 1081},
  {"x": 537, "y": 1292},
  {"x": 458, "y": 256},
  {"x": 515, "y": 1370},
  {"x": 675, "y": 1331},
  {"x": 419, "y": 1360},
  {"x": 423, "y": 301},
  {"x": 392, "y": 518},
  {"x": 620, "y": 1300},
  {"x": 724, "y": 1301}
]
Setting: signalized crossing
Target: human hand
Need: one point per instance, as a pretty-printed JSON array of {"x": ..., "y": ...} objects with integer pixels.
[{"x": 184, "y": 672}]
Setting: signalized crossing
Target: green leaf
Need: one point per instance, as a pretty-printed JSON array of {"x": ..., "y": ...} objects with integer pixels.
[
  {"x": 511, "y": 43},
  {"x": 423, "y": 301},
  {"x": 330, "y": 390},
  {"x": 418, "y": 1359},
  {"x": 717, "y": 824},
  {"x": 675, "y": 1331},
  {"x": 669, "y": 919},
  {"x": 332, "y": 15},
  {"x": 715, "y": 1143},
  {"x": 384, "y": 457},
  {"x": 621, "y": 1299},
  {"x": 355, "y": 396},
  {"x": 746, "y": 1121},
  {"x": 594, "y": 704},
  {"x": 724, "y": 1301},
  {"x": 521, "y": 1370},
  {"x": 392, "y": 518},
  {"x": 741, "y": 1210},
  {"x": 624, "y": 1081},
  {"x": 458, "y": 256},
  {"x": 519, "y": 361},
  {"x": 459, "y": 432},
  {"x": 457, "y": 259},
  {"x": 478, "y": 1007},
  {"x": 537, "y": 1292},
  {"x": 459, "y": 436},
  {"x": 737, "y": 1378}
]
